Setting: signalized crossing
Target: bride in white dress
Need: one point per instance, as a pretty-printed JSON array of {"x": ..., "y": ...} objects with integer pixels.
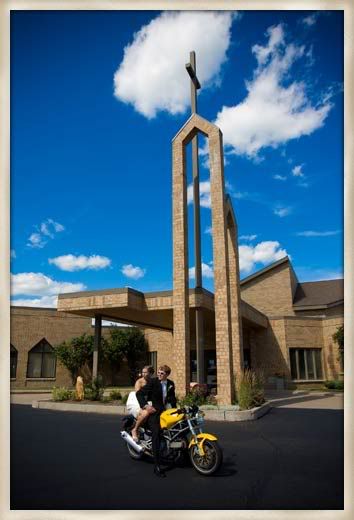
[{"x": 132, "y": 406}]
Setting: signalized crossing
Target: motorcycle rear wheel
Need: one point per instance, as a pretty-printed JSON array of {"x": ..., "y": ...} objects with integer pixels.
[{"x": 210, "y": 462}]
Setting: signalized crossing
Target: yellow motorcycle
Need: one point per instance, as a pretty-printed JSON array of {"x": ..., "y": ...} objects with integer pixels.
[{"x": 181, "y": 434}]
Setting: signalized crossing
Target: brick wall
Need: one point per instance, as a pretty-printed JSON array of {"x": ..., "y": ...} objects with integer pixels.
[
  {"x": 29, "y": 326},
  {"x": 331, "y": 353},
  {"x": 161, "y": 342},
  {"x": 271, "y": 293}
]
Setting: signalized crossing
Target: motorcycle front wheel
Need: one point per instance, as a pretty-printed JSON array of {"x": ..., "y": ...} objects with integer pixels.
[{"x": 208, "y": 463}]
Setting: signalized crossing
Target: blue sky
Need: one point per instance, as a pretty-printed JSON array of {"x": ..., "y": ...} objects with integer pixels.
[{"x": 96, "y": 98}]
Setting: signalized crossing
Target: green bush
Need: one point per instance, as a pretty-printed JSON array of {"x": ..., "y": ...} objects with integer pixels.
[
  {"x": 62, "y": 394},
  {"x": 250, "y": 391},
  {"x": 339, "y": 385},
  {"x": 197, "y": 396},
  {"x": 125, "y": 398},
  {"x": 74, "y": 353},
  {"x": 106, "y": 399},
  {"x": 115, "y": 395},
  {"x": 334, "y": 385},
  {"x": 94, "y": 391}
]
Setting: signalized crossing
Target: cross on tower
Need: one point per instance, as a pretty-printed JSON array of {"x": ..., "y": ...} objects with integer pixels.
[{"x": 195, "y": 85}]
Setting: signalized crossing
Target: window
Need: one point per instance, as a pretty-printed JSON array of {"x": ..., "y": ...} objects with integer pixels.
[
  {"x": 13, "y": 361},
  {"x": 152, "y": 360},
  {"x": 41, "y": 360},
  {"x": 306, "y": 363}
]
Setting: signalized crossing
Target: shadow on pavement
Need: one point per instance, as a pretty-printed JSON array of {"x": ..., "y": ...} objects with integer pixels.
[{"x": 290, "y": 399}]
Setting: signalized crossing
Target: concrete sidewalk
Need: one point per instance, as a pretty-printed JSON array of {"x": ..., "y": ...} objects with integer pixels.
[
  {"x": 306, "y": 399},
  {"x": 277, "y": 398}
]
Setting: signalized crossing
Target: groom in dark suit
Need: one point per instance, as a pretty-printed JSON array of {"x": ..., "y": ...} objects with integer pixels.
[{"x": 160, "y": 391}]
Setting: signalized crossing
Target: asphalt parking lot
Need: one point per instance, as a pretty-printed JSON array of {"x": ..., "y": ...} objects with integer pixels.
[{"x": 292, "y": 458}]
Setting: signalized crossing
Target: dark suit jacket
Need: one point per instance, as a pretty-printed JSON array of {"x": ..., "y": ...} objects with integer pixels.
[{"x": 152, "y": 391}]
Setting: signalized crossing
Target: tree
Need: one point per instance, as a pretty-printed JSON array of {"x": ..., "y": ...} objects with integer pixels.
[
  {"x": 74, "y": 353},
  {"x": 338, "y": 337},
  {"x": 129, "y": 344}
]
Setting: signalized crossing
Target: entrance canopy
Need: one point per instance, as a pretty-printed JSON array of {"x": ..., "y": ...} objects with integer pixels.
[{"x": 151, "y": 309}]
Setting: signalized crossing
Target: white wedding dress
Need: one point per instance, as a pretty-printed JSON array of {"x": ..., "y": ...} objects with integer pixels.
[{"x": 132, "y": 406}]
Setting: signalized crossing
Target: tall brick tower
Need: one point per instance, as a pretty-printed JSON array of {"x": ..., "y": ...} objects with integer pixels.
[{"x": 228, "y": 329}]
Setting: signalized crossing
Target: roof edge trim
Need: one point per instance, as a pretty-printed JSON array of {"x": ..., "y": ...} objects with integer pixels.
[{"x": 265, "y": 270}]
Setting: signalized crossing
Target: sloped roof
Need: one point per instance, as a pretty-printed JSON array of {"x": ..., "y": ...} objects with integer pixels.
[
  {"x": 323, "y": 293},
  {"x": 264, "y": 270}
]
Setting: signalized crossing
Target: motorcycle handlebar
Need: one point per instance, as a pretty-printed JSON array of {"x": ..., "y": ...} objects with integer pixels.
[{"x": 186, "y": 409}]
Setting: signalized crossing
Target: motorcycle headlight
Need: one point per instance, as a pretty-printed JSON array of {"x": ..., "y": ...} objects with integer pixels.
[{"x": 199, "y": 418}]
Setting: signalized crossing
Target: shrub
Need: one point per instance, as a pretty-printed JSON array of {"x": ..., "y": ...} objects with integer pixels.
[
  {"x": 115, "y": 395},
  {"x": 129, "y": 344},
  {"x": 197, "y": 396},
  {"x": 125, "y": 398},
  {"x": 250, "y": 391},
  {"x": 62, "y": 394},
  {"x": 339, "y": 385},
  {"x": 211, "y": 399},
  {"x": 74, "y": 353},
  {"x": 338, "y": 337},
  {"x": 94, "y": 391},
  {"x": 334, "y": 385}
]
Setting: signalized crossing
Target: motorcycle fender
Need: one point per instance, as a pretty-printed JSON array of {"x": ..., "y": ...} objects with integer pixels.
[{"x": 201, "y": 438}]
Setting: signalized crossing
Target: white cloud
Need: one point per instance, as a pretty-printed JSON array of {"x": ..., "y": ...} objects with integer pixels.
[
  {"x": 310, "y": 19},
  {"x": 318, "y": 233},
  {"x": 57, "y": 227},
  {"x": 77, "y": 263},
  {"x": 264, "y": 253},
  {"x": 279, "y": 177},
  {"x": 44, "y": 301},
  {"x": 107, "y": 323},
  {"x": 207, "y": 271},
  {"x": 303, "y": 184},
  {"x": 45, "y": 230},
  {"x": 282, "y": 211},
  {"x": 204, "y": 194},
  {"x": 12, "y": 253},
  {"x": 309, "y": 274},
  {"x": 36, "y": 240},
  {"x": 133, "y": 272},
  {"x": 286, "y": 111},
  {"x": 208, "y": 230},
  {"x": 235, "y": 194},
  {"x": 152, "y": 75},
  {"x": 248, "y": 237},
  {"x": 205, "y": 197},
  {"x": 38, "y": 284},
  {"x": 297, "y": 171}
]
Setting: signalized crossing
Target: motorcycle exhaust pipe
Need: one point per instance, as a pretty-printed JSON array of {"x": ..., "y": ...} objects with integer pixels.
[{"x": 129, "y": 439}]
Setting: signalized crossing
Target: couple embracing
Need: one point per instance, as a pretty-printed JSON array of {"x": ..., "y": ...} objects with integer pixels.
[{"x": 153, "y": 395}]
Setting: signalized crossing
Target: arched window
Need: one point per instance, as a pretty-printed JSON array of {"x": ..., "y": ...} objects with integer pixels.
[
  {"x": 13, "y": 361},
  {"x": 41, "y": 360}
]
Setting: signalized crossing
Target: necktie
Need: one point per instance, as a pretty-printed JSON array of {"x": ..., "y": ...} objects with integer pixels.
[{"x": 164, "y": 391}]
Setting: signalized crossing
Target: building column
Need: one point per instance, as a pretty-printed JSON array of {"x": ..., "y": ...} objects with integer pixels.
[
  {"x": 224, "y": 364},
  {"x": 235, "y": 297},
  {"x": 96, "y": 344},
  {"x": 181, "y": 332}
]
